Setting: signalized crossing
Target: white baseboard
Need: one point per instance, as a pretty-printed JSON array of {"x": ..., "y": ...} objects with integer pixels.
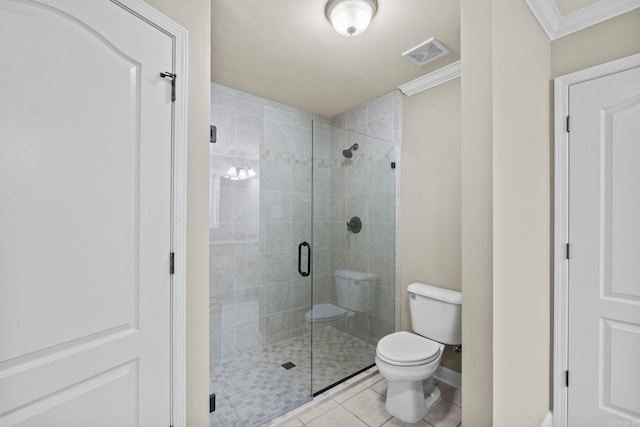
[
  {"x": 448, "y": 376},
  {"x": 548, "y": 420}
]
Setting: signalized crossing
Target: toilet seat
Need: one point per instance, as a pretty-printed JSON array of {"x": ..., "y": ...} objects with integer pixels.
[
  {"x": 325, "y": 313},
  {"x": 407, "y": 349}
]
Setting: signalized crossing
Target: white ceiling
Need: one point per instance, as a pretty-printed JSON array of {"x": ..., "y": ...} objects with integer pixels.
[{"x": 287, "y": 51}]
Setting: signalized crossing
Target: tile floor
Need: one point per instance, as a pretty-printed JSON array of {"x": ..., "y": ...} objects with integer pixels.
[
  {"x": 362, "y": 405},
  {"x": 254, "y": 388}
]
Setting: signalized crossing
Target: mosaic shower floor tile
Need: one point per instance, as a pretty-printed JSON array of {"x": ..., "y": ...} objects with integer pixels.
[{"x": 253, "y": 388}]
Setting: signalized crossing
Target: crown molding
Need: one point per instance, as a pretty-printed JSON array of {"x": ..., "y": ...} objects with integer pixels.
[
  {"x": 556, "y": 25},
  {"x": 547, "y": 14},
  {"x": 433, "y": 79}
]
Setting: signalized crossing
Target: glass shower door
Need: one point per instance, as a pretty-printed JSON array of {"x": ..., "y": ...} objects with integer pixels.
[
  {"x": 260, "y": 225},
  {"x": 354, "y": 251}
]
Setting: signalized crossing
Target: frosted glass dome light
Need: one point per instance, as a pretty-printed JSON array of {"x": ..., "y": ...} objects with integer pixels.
[{"x": 351, "y": 17}]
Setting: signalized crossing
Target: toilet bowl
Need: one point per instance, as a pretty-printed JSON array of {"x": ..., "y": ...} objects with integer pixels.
[
  {"x": 409, "y": 360},
  {"x": 354, "y": 293},
  {"x": 325, "y": 314}
]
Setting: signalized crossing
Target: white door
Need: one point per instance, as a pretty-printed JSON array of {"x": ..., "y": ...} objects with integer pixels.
[
  {"x": 604, "y": 260},
  {"x": 85, "y": 210}
]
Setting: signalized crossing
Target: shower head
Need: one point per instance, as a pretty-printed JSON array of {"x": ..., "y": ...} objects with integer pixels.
[{"x": 349, "y": 153}]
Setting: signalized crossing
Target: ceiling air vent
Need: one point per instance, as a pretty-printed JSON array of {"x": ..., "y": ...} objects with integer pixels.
[{"x": 425, "y": 52}]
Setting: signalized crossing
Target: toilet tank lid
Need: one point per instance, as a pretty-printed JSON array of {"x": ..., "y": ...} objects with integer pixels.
[
  {"x": 354, "y": 275},
  {"x": 434, "y": 292}
]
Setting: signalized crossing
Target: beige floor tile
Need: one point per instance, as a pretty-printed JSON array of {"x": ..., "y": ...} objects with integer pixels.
[
  {"x": 374, "y": 379},
  {"x": 444, "y": 414},
  {"x": 394, "y": 422},
  {"x": 337, "y": 417},
  {"x": 359, "y": 406},
  {"x": 369, "y": 407},
  {"x": 451, "y": 393},
  {"x": 288, "y": 423},
  {"x": 380, "y": 387},
  {"x": 349, "y": 393},
  {"x": 317, "y": 411}
]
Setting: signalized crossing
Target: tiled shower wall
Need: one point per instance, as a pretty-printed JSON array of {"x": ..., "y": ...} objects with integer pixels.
[
  {"x": 322, "y": 171},
  {"x": 365, "y": 186},
  {"x": 257, "y": 297}
]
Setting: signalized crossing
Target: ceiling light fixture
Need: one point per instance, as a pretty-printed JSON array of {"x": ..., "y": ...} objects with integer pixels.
[{"x": 351, "y": 17}]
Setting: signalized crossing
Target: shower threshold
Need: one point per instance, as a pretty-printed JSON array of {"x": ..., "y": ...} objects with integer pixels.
[{"x": 343, "y": 380}]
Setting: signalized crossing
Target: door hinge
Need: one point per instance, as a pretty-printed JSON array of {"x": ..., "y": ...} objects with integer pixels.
[
  {"x": 566, "y": 248},
  {"x": 172, "y": 263},
  {"x": 170, "y": 76},
  {"x": 566, "y": 378},
  {"x": 393, "y": 165},
  {"x": 568, "y": 127}
]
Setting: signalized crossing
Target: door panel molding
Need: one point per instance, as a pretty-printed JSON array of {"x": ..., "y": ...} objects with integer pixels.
[
  {"x": 561, "y": 225},
  {"x": 122, "y": 380},
  {"x": 57, "y": 352}
]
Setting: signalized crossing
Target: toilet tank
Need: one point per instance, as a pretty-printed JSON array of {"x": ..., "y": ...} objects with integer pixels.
[
  {"x": 436, "y": 313},
  {"x": 355, "y": 289}
]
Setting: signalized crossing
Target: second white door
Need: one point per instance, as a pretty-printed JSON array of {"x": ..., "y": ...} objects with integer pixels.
[{"x": 604, "y": 263}]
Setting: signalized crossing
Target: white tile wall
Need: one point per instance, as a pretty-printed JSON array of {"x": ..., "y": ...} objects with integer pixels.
[
  {"x": 257, "y": 296},
  {"x": 366, "y": 186}
]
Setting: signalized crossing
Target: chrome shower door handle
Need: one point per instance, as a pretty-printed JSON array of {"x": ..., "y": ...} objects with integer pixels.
[{"x": 308, "y": 246}]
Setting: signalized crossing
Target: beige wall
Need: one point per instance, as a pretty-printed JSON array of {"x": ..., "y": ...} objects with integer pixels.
[
  {"x": 605, "y": 42},
  {"x": 505, "y": 214},
  {"x": 476, "y": 211},
  {"x": 430, "y": 216},
  {"x": 508, "y": 64},
  {"x": 521, "y": 216},
  {"x": 195, "y": 16},
  {"x": 505, "y": 218},
  {"x": 499, "y": 42}
]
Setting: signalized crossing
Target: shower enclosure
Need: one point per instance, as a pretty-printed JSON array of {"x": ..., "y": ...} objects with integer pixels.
[{"x": 299, "y": 298}]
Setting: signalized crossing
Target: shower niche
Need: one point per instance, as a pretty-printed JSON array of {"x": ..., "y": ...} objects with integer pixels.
[{"x": 297, "y": 298}]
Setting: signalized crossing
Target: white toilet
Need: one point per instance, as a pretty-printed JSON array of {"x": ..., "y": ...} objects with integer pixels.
[
  {"x": 408, "y": 361},
  {"x": 355, "y": 293}
]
